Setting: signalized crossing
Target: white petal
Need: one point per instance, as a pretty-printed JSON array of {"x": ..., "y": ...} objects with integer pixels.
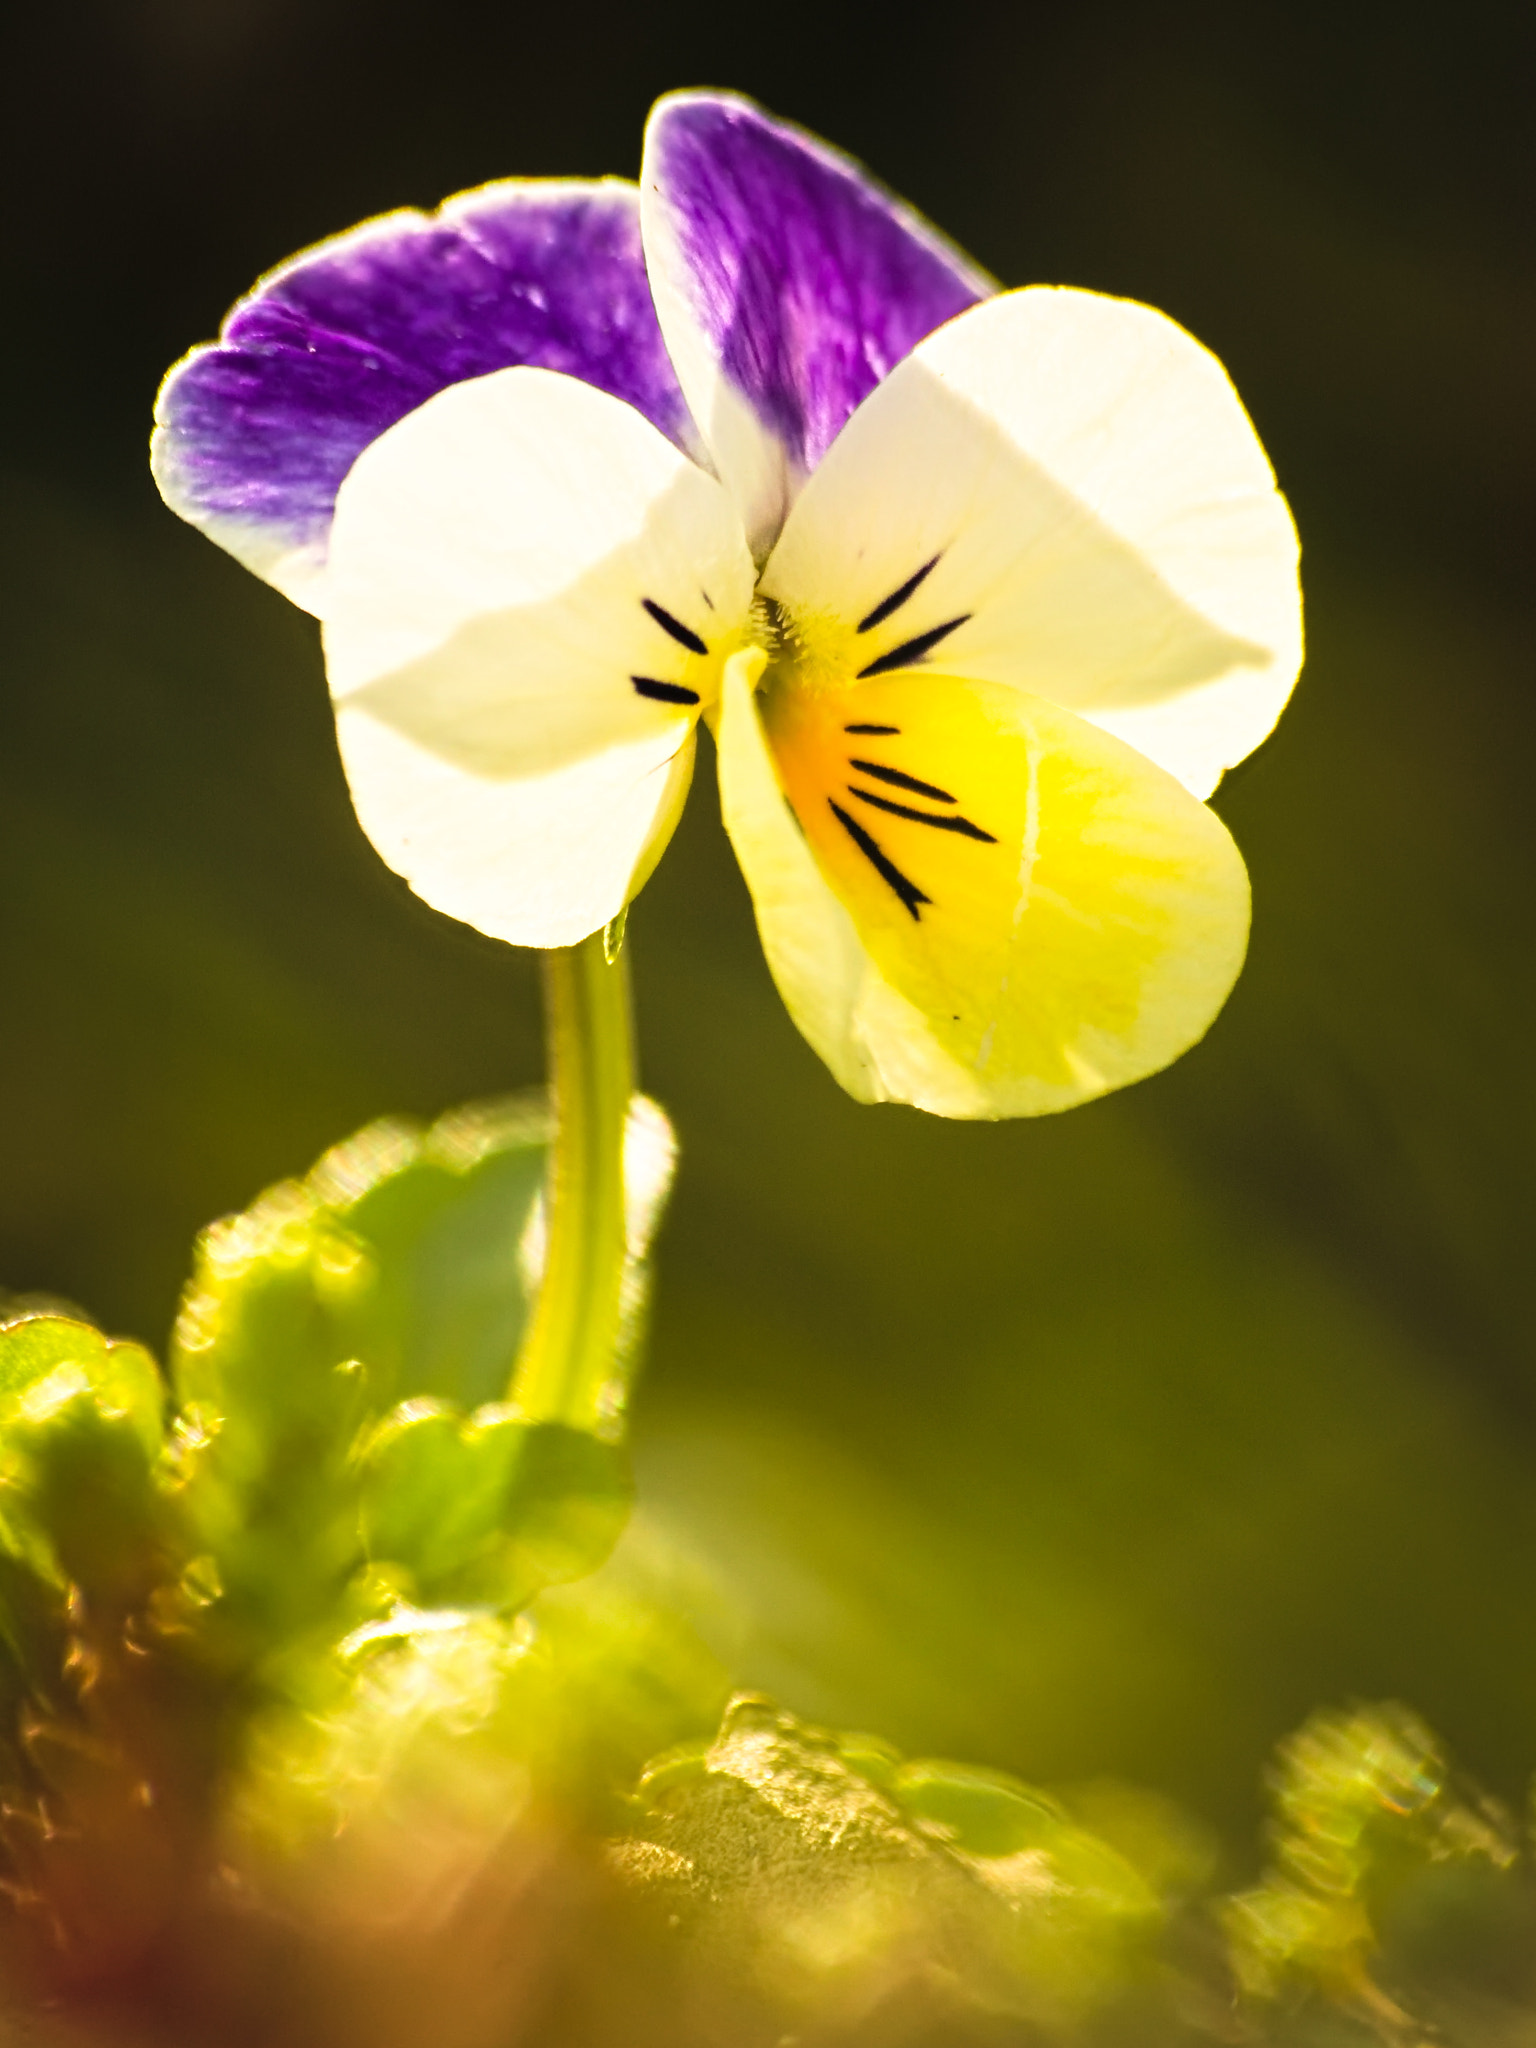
[
  {"x": 1099, "y": 513},
  {"x": 490, "y": 565},
  {"x": 538, "y": 862}
]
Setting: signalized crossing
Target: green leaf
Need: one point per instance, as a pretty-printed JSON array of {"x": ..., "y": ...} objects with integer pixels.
[
  {"x": 394, "y": 1269},
  {"x": 1370, "y": 1827},
  {"x": 80, "y": 1428},
  {"x": 88, "y": 1487},
  {"x": 489, "y": 1507},
  {"x": 44, "y": 1359},
  {"x": 435, "y": 1490},
  {"x": 400, "y": 1254},
  {"x": 807, "y": 1868},
  {"x": 442, "y": 1217},
  {"x": 271, "y": 1401},
  {"x": 570, "y": 1498},
  {"x": 986, "y": 1813}
]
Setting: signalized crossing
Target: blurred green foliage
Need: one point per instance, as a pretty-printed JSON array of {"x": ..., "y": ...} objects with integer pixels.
[
  {"x": 825, "y": 1888},
  {"x": 295, "y": 1653},
  {"x": 1370, "y": 1836},
  {"x": 253, "y": 1596},
  {"x": 339, "y": 1357},
  {"x": 931, "y": 1900}
]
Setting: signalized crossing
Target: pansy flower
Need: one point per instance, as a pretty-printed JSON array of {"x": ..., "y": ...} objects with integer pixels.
[{"x": 978, "y": 591}]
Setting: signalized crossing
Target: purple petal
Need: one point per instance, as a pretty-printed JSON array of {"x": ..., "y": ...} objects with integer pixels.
[
  {"x": 804, "y": 281},
  {"x": 256, "y": 431}
]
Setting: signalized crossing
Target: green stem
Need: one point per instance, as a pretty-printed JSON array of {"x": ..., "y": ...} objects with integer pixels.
[{"x": 567, "y": 1359}]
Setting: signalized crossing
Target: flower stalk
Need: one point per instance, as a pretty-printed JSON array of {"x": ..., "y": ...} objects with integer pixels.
[{"x": 567, "y": 1359}]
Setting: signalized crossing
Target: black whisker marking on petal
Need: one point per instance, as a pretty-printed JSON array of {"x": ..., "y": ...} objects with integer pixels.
[
  {"x": 911, "y": 896},
  {"x": 880, "y": 730},
  {"x": 897, "y": 598},
  {"x": 899, "y": 780},
  {"x": 683, "y": 635},
  {"x": 664, "y": 693},
  {"x": 945, "y": 821},
  {"x": 913, "y": 650},
  {"x": 707, "y": 599}
]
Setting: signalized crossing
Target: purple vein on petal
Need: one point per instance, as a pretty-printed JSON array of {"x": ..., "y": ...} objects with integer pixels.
[
  {"x": 256, "y": 431},
  {"x": 810, "y": 281}
]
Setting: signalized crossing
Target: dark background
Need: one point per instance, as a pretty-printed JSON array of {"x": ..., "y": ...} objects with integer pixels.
[{"x": 1112, "y": 1443}]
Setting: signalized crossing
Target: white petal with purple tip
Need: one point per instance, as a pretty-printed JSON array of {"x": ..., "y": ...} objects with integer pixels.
[
  {"x": 787, "y": 282},
  {"x": 255, "y": 432}
]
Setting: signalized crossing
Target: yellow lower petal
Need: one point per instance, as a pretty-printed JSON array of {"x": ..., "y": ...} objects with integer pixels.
[
  {"x": 1046, "y": 915},
  {"x": 814, "y": 954}
]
